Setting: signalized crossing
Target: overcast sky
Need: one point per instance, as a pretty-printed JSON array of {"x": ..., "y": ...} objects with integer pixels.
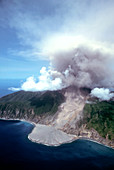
[{"x": 27, "y": 26}]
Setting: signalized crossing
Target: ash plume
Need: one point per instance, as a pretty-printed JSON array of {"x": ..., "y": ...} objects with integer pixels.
[{"x": 84, "y": 64}]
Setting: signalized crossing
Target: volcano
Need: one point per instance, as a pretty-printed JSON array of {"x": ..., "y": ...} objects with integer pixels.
[{"x": 62, "y": 116}]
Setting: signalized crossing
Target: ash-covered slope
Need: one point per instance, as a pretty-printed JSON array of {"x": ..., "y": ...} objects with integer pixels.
[{"x": 70, "y": 110}]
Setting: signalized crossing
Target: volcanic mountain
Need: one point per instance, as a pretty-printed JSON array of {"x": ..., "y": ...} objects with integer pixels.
[{"x": 70, "y": 111}]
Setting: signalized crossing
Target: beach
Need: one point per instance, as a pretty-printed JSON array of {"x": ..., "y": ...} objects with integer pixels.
[{"x": 50, "y": 136}]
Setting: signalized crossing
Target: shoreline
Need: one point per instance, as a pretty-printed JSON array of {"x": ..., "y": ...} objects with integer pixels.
[
  {"x": 50, "y": 136},
  {"x": 54, "y": 145},
  {"x": 28, "y": 121},
  {"x": 89, "y": 139}
]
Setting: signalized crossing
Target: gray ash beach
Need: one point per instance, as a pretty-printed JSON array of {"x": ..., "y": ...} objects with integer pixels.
[{"x": 50, "y": 136}]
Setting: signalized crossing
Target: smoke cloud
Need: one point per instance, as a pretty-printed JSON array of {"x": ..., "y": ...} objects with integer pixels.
[
  {"x": 102, "y": 93},
  {"x": 78, "y": 62},
  {"x": 85, "y": 64}
]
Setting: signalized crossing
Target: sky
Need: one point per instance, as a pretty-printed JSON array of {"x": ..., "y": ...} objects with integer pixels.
[{"x": 34, "y": 34}]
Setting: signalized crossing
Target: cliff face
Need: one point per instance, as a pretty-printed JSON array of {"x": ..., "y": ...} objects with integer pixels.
[{"x": 66, "y": 110}]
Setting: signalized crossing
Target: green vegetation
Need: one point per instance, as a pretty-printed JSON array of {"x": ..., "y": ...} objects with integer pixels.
[
  {"x": 48, "y": 102},
  {"x": 100, "y": 116},
  {"x": 22, "y": 104}
]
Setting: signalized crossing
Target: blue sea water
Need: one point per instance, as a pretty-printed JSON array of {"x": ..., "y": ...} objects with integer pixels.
[
  {"x": 7, "y": 83},
  {"x": 18, "y": 152}
]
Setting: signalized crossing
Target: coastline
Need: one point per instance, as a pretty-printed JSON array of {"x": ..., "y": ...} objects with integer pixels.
[
  {"x": 95, "y": 141},
  {"x": 50, "y": 136},
  {"x": 34, "y": 126},
  {"x": 28, "y": 121},
  {"x": 48, "y": 144}
]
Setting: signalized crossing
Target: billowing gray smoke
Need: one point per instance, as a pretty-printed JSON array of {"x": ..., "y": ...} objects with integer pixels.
[{"x": 84, "y": 66}]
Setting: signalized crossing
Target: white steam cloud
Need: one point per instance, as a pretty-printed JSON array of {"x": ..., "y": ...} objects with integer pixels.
[
  {"x": 102, "y": 93},
  {"x": 45, "y": 82}
]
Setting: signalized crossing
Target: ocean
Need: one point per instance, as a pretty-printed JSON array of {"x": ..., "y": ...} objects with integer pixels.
[
  {"x": 7, "y": 83},
  {"x": 18, "y": 152}
]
